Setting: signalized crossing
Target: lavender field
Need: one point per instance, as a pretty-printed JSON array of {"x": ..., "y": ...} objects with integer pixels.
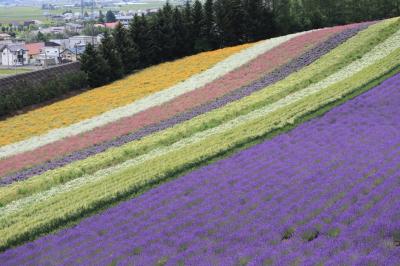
[{"x": 326, "y": 193}]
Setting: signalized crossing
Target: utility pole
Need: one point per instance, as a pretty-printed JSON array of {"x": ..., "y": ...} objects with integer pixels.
[
  {"x": 82, "y": 9},
  {"x": 76, "y": 51},
  {"x": 93, "y": 9},
  {"x": 93, "y": 22}
]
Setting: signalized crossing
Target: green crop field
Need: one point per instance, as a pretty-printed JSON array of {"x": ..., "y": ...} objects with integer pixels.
[
  {"x": 22, "y": 13},
  {"x": 9, "y": 14}
]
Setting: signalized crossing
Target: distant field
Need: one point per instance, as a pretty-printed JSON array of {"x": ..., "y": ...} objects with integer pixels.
[
  {"x": 21, "y": 13},
  {"x": 8, "y": 14}
]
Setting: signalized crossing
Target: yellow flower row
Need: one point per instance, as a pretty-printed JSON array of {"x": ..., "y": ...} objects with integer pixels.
[{"x": 105, "y": 98}]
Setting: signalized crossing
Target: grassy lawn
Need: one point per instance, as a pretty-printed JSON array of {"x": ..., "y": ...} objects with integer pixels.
[
  {"x": 21, "y": 13},
  {"x": 11, "y": 71}
]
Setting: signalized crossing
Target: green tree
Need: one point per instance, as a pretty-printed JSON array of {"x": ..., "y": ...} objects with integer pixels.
[
  {"x": 334, "y": 11},
  {"x": 300, "y": 21},
  {"x": 267, "y": 18},
  {"x": 230, "y": 18},
  {"x": 94, "y": 66},
  {"x": 126, "y": 49},
  {"x": 253, "y": 19},
  {"x": 315, "y": 13},
  {"x": 282, "y": 19},
  {"x": 140, "y": 36},
  {"x": 109, "y": 52},
  {"x": 222, "y": 19},
  {"x": 179, "y": 31},
  {"x": 110, "y": 16},
  {"x": 168, "y": 37},
  {"x": 155, "y": 48},
  {"x": 237, "y": 18},
  {"x": 41, "y": 37},
  {"x": 197, "y": 18},
  {"x": 209, "y": 33},
  {"x": 188, "y": 24},
  {"x": 162, "y": 35},
  {"x": 101, "y": 17},
  {"x": 396, "y": 10}
]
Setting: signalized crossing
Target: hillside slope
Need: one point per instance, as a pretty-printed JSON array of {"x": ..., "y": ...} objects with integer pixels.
[
  {"x": 76, "y": 157},
  {"x": 327, "y": 192}
]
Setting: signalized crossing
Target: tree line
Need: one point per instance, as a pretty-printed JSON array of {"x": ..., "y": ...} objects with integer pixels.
[{"x": 174, "y": 32}]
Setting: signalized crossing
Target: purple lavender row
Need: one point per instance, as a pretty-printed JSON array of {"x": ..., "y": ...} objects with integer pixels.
[
  {"x": 324, "y": 193},
  {"x": 296, "y": 64}
]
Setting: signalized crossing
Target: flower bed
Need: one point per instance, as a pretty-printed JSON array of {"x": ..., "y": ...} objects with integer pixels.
[
  {"x": 103, "y": 99},
  {"x": 339, "y": 197},
  {"x": 258, "y": 104},
  {"x": 48, "y": 213},
  {"x": 171, "y": 113}
]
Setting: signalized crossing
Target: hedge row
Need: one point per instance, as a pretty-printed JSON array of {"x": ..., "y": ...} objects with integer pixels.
[{"x": 26, "y": 92}]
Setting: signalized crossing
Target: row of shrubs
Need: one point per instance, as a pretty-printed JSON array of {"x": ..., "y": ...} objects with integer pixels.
[{"x": 27, "y": 92}]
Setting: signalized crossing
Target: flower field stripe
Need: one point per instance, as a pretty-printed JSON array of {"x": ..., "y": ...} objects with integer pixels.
[
  {"x": 92, "y": 103},
  {"x": 104, "y": 173},
  {"x": 131, "y": 164},
  {"x": 240, "y": 77},
  {"x": 114, "y": 156},
  {"x": 277, "y": 75},
  {"x": 370, "y": 58},
  {"x": 204, "y": 206},
  {"x": 234, "y": 61},
  {"x": 198, "y": 137},
  {"x": 64, "y": 206}
]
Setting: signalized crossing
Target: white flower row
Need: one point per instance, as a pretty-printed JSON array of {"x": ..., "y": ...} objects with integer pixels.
[
  {"x": 379, "y": 52},
  {"x": 196, "y": 81},
  {"x": 87, "y": 179}
]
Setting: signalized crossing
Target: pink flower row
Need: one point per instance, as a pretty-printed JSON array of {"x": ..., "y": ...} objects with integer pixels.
[{"x": 240, "y": 77}]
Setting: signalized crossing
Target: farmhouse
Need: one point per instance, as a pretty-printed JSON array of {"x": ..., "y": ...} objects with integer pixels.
[
  {"x": 51, "y": 49},
  {"x": 49, "y": 54},
  {"x": 64, "y": 43},
  {"x": 124, "y": 20},
  {"x": 81, "y": 40},
  {"x": 73, "y": 54},
  {"x": 14, "y": 55},
  {"x": 34, "y": 50}
]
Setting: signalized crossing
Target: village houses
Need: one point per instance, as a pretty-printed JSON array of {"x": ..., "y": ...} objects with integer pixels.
[{"x": 14, "y": 55}]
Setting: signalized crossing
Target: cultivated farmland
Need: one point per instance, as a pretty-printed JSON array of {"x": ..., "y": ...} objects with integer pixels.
[{"x": 221, "y": 158}]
